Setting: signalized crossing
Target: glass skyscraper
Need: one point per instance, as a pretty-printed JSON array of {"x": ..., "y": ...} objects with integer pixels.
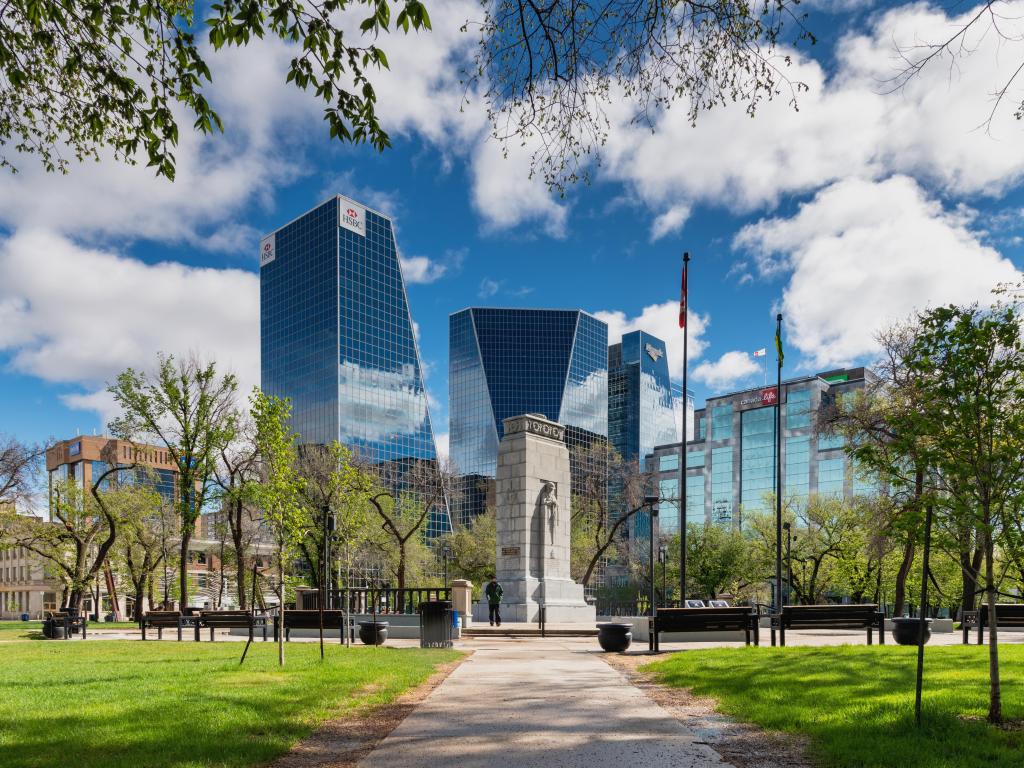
[
  {"x": 507, "y": 362},
  {"x": 336, "y": 336}
]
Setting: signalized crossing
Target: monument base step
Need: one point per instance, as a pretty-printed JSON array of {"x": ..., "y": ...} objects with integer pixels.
[{"x": 517, "y": 629}]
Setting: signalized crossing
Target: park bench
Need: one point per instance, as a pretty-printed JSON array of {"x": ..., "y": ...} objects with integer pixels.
[
  {"x": 1007, "y": 615},
  {"x": 829, "y": 617},
  {"x": 162, "y": 620},
  {"x": 72, "y": 622},
  {"x": 232, "y": 619},
  {"x": 333, "y": 619},
  {"x": 730, "y": 619}
]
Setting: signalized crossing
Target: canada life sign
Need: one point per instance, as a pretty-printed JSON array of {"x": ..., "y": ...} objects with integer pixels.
[{"x": 766, "y": 396}]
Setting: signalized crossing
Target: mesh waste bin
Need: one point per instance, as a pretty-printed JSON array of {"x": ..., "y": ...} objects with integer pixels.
[{"x": 436, "y": 624}]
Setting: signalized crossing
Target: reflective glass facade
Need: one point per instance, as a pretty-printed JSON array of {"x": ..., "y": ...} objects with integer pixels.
[
  {"x": 507, "y": 362},
  {"x": 730, "y": 469},
  {"x": 757, "y": 449},
  {"x": 336, "y": 335},
  {"x": 640, "y": 413}
]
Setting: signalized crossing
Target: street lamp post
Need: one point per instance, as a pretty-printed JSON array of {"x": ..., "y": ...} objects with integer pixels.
[
  {"x": 446, "y": 553},
  {"x": 651, "y": 503},
  {"x": 663, "y": 559},
  {"x": 789, "y": 560}
]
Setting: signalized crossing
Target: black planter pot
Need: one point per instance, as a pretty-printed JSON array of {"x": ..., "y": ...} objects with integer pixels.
[
  {"x": 904, "y": 630},
  {"x": 614, "y": 637},
  {"x": 373, "y": 633}
]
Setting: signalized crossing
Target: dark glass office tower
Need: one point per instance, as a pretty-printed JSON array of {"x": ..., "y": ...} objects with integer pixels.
[
  {"x": 336, "y": 335},
  {"x": 640, "y": 414},
  {"x": 507, "y": 362}
]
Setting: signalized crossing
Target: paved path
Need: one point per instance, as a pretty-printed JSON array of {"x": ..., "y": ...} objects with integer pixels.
[{"x": 537, "y": 704}]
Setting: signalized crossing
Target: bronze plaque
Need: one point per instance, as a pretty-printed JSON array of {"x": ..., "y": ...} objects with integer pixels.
[{"x": 509, "y": 551}]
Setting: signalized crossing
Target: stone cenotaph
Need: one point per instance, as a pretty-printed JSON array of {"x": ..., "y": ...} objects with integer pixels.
[{"x": 533, "y": 494}]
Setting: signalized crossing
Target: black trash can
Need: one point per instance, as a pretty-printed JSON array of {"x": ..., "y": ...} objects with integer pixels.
[{"x": 436, "y": 624}]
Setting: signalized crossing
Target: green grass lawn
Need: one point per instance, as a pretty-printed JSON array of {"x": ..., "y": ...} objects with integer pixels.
[
  {"x": 33, "y": 630},
  {"x": 145, "y": 705},
  {"x": 856, "y": 703}
]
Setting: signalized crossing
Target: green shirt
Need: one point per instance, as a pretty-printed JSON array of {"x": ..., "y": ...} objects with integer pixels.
[{"x": 493, "y": 591}]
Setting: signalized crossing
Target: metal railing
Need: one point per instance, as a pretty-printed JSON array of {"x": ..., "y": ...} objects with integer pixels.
[{"x": 384, "y": 600}]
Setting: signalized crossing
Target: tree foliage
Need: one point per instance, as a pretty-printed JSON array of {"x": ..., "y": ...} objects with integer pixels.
[
  {"x": 551, "y": 71},
  {"x": 80, "y": 75},
  {"x": 189, "y": 409}
]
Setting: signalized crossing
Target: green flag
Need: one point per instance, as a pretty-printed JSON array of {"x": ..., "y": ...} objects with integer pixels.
[{"x": 778, "y": 345}]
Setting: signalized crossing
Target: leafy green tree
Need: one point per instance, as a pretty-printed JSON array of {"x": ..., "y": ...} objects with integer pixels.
[
  {"x": 279, "y": 491},
  {"x": 717, "y": 559},
  {"x": 333, "y": 485},
  {"x": 189, "y": 409},
  {"x": 970, "y": 361},
  {"x": 144, "y": 516},
  {"x": 78, "y": 75},
  {"x": 475, "y": 549}
]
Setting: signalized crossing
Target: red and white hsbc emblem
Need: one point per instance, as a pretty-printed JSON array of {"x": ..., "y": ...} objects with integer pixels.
[
  {"x": 769, "y": 396},
  {"x": 352, "y": 217},
  {"x": 268, "y": 249}
]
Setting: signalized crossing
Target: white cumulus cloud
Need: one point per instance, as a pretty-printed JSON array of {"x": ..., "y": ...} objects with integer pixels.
[
  {"x": 661, "y": 320},
  {"x": 863, "y": 254},
  {"x": 726, "y": 372}
]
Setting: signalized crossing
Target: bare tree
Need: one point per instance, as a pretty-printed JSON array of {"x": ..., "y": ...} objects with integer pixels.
[
  {"x": 405, "y": 494},
  {"x": 549, "y": 68},
  {"x": 19, "y": 467},
  {"x": 607, "y": 493},
  {"x": 237, "y": 478}
]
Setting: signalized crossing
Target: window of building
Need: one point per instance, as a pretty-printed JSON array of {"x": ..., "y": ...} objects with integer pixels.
[
  {"x": 798, "y": 409},
  {"x": 721, "y": 485},
  {"x": 668, "y": 462},
  {"x": 721, "y": 422},
  {"x": 694, "y": 459},
  {"x": 798, "y": 467},
  {"x": 865, "y": 483},
  {"x": 668, "y": 506},
  {"x": 829, "y": 442},
  {"x": 702, "y": 428},
  {"x": 695, "y": 500},
  {"x": 757, "y": 457},
  {"x": 830, "y": 477}
]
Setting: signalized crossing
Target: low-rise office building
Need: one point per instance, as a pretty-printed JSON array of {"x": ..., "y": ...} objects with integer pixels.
[{"x": 730, "y": 463}]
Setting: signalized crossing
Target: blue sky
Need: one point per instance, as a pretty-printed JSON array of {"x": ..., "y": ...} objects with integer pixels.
[{"x": 851, "y": 212}]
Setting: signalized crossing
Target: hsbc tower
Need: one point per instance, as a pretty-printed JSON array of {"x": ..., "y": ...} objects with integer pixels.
[{"x": 336, "y": 335}]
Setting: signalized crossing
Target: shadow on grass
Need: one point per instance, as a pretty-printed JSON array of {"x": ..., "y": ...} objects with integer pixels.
[
  {"x": 117, "y": 703},
  {"x": 856, "y": 703}
]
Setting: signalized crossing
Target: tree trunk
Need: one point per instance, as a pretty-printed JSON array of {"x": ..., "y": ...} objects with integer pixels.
[
  {"x": 970, "y": 565},
  {"x": 140, "y": 591},
  {"x": 186, "y": 538},
  {"x": 900, "y": 598},
  {"x": 240, "y": 564},
  {"x": 995, "y": 703},
  {"x": 400, "y": 574},
  {"x": 280, "y": 607}
]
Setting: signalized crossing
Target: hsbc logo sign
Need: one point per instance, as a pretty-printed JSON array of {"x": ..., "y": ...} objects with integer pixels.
[
  {"x": 268, "y": 249},
  {"x": 767, "y": 396},
  {"x": 352, "y": 217}
]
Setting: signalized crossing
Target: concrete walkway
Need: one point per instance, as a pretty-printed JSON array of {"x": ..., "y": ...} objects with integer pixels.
[{"x": 539, "y": 703}]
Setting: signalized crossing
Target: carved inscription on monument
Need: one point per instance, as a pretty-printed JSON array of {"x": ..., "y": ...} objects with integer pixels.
[{"x": 535, "y": 426}]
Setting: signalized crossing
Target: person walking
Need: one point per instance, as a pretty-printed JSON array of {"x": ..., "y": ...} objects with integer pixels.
[{"x": 493, "y": 593}]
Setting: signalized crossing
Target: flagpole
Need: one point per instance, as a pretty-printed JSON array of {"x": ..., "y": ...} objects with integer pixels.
[
  {"x": 684, "y": 310},
  {"x": 778, "y": 466}
]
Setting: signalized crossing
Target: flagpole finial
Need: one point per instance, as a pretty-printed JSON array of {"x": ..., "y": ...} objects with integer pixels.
[
  {"x": 778, "y": 317},
  {"x": 686, "y": 256}
]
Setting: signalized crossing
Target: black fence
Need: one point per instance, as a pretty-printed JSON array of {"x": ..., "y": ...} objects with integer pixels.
[{"x": 382, "y": 600}]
